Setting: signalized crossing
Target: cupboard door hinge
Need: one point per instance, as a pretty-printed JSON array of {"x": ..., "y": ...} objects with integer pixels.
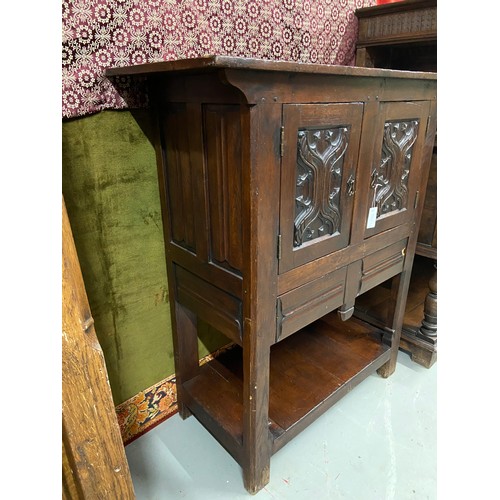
[
  {"x": 416, "y": 199},
  {"x": 279, "y": 246},
  {"x": 282, "y": 141}
]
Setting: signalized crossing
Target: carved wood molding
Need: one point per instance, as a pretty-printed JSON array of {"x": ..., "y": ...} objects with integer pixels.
[
  {"x": 403, "y": 21},
  {"x": 391, "y": 190}
]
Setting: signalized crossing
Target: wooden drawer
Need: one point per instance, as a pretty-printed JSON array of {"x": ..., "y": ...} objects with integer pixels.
[
  {"x": 301, "y": 306},
  {"x": 213, "y": 305},
  {"x": 382, "y": 265}
]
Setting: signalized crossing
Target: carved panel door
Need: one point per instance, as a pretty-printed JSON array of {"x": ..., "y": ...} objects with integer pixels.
[
  {"x": 320, "y": 149},
  {"x": 399, "y": 135}
]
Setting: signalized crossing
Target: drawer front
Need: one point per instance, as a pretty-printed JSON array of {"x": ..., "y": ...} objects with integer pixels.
[
  {"x": 382, "y": 265},
  {"x": 307, "y": 303},
  {"x": 213, "y": 305}
]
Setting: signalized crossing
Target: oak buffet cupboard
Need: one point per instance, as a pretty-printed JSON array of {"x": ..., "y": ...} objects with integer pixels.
[{"x": 287, "y": 191}]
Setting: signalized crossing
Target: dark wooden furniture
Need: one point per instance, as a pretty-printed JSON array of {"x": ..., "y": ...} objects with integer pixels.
[
  {"x": 287, "y": 191},
  {"x": 94, "y": 464},
  {"x": 403, "y": 35}
]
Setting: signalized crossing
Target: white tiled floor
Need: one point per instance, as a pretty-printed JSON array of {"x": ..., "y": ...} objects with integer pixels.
[{"x": 378, "y": 442}]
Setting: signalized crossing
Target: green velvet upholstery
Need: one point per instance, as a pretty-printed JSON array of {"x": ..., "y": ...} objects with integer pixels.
[{"x": 111, "y": 192}]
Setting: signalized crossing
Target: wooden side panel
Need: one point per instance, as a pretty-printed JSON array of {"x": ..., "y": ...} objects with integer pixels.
[
  {"x": 223, "y": 153},
  {"x": 181, "y": 133},
  {"x": 94, "y": 463}
]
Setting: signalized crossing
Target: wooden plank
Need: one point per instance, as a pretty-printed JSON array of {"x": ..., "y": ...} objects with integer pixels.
[
  {"x": 358, "y": 336},
  {"x": 298, "y": 382},
  {"x": 221, "y": 278},
  {"x": 323, "y": 88},
  {"x": 94, "y": 461},
  {"x": 326, "y": 404},
  {"x": 212, "y": 63},
  {"x": 217, "y": 401},
  {"x": 260, "y": 125},
  {"x": 308, "y": 370}
]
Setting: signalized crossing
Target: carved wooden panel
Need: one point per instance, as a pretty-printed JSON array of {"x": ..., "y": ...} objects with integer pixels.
[
  {"x": 391, "y": 178},
  {"x": 399, "y": 132},
  {"x": 405, "y": 23},
  {"x": 320, "y": 158},
  {"x": 223, "y": 156},
  {"x": 320, "y": 150}
]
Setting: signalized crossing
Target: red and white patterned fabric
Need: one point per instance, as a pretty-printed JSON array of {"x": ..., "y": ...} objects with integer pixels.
[{"x": 98, "y": 34}]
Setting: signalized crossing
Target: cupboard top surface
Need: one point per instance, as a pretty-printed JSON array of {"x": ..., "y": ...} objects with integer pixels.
[{"x": 224, "y": 62}]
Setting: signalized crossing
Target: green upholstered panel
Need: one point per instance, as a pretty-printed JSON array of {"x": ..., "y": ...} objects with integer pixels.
[{"x": 111, "y": 192}]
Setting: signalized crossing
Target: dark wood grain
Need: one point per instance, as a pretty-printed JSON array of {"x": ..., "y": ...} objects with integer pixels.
[
  {"x": 382, "y": 265},
  {"x": 265, "y": 172},
  {"x": 261, "y": 125},
  {"x": 398, "y": 113},
  {"x": 214, "y": 62},
  {"x": 223, "y": 147},
  {"x": 304, "y": 304},
  {"x": 321, "y": 118},
  {"x": 403, "y": 35},
  {"x": 309, "y": 372},
  {"x": 213, "y": 305},
  {"x": 411, "y": 21},
  {"x": 316, "y": 268},
  {"x": 427, "y": 234}
]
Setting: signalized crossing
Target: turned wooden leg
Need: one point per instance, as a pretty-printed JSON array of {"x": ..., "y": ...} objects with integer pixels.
[
  {"x": 428, "y": 329},
  {"x": 420, "y": 342}
]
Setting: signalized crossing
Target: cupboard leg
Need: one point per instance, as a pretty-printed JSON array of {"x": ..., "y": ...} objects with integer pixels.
[
  {"x": 396, "y": 309},
  {"x": 255, "y": 478},
  {"x": 185, "y": 336},
  {"x": 387, "y": 369},
  {"x": 256, "y": 435}
]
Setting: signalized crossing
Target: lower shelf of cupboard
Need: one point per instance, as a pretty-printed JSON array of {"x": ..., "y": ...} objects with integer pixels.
[{"x": 309, "y": 372}]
